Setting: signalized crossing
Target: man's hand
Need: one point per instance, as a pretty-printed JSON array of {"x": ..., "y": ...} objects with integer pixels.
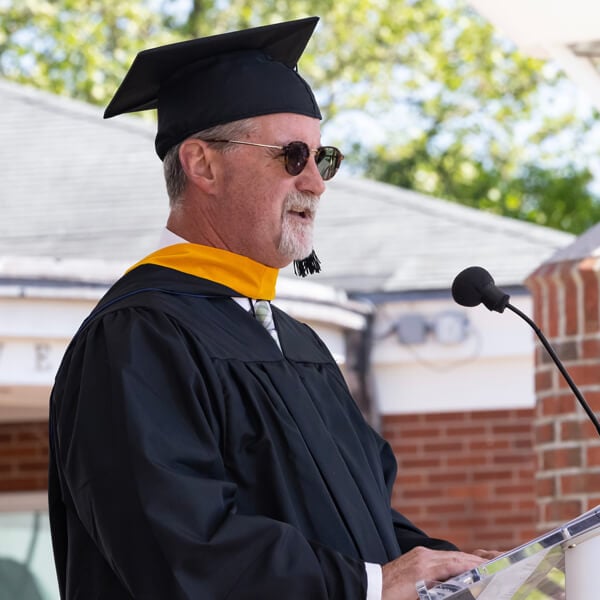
[{"x": 401, "y": 575}]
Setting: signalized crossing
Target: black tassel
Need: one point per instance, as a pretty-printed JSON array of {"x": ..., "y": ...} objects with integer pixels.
[{"x": 307, "y": 266}]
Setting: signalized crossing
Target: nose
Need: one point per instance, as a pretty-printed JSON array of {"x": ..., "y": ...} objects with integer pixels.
[{"x": 310, "y": 180}]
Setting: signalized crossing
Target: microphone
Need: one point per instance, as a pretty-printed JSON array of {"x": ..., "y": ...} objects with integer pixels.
[{"x": 474, "y": 285}]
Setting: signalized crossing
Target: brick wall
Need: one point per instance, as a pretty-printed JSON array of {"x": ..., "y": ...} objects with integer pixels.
[
  {"x": 468, "y": 477},
  {"x": 23, "y": 457},
  {"x": 567, "y": 308}
]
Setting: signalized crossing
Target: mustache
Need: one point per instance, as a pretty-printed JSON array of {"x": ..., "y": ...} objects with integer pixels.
[{"x": 301, "y": 202}]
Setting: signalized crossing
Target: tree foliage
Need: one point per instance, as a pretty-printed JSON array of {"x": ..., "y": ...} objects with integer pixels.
[
  {"x": 77, "y": 48},
  {"x": 459, "y": 112},
  {"x": 553, "y": 197}
]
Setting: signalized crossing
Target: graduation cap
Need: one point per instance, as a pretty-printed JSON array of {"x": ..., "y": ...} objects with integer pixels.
[{"x": 213, "y": 80}]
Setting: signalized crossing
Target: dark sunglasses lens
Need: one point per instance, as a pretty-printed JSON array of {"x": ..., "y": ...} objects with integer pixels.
[
  {"x": 296, "y": 157},
  {"x": 328, "y": 161}
]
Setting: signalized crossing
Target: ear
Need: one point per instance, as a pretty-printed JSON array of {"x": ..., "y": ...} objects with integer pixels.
[{"x": 197, "y": 160}]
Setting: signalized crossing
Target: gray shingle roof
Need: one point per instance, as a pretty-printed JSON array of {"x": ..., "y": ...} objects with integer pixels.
[
  {"x": 76, "y": 186},
  {"x": 397, "y": 240}
]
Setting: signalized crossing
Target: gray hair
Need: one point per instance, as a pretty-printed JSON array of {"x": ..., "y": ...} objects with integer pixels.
[{"x": 175, "y": 176}]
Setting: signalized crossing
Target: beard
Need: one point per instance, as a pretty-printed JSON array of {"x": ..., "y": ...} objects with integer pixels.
[{"x": 297, "y": 224}]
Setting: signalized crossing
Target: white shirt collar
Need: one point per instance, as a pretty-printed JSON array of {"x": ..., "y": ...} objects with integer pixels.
[{"x": 168, "y": 238}]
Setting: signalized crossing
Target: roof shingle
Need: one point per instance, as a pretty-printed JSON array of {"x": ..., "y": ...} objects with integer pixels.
[{"x": 76, "y": 186}]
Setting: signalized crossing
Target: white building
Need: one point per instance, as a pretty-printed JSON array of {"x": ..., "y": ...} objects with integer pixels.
[
  {"x": 84, "y": 198},
  {"x": 81, "y": 199}
]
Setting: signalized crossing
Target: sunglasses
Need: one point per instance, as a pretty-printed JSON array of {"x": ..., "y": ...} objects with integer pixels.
[{"x": 296, "y": 155}]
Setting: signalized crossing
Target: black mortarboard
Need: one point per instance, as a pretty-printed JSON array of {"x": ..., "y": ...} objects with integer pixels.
[{"x": 214, "y": 80}]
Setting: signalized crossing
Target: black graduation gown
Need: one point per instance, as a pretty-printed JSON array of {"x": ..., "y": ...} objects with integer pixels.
[{"x": 191, "y": 458}]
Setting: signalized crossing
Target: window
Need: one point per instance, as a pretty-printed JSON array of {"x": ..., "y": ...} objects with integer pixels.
[{"x": 26, "y": 561}]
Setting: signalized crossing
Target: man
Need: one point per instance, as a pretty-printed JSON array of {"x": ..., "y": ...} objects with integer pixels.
[{"x": 194, "y": 452}]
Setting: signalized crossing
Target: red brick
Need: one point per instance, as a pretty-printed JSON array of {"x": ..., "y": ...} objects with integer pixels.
[
  {"x": 467, "y": 491},
  {"x": 36, "y": 465},
  {"x": 571, "y": 430},
  {"x": 571, "y": 309},
  {"x": 452, "y": 477},
  {"x": 545, "y": 433},
  {"x": 425, "y": 432},
  {"x": 593, "y": 456},
  {"x": 593, "y": 398},
  {"x": 514, "y": 519},
  {"x": 589, "y": 430},
  {"x": 534, "y": 284},
  {"x": 469, "y": 460},
  {"x": 493, "y": 444},
  {"x": 544, "y": 379},
  {"x": 23, "y": 456},
  {"x": 419, "y": 463},
  {"x": 529, "y": 505},
  {"x": 494, "y": 506},
  {"x": 492, "y": 476},
  {"x": 557, "y": 405},
  {"x": 413, "y": 507},
  {"x": 429, "y": 524},
  {"x": 451, "y": 417},
  {"x": 22, "y": 483},
  {"x": 443, "y": 447},
  {"x": 562, "y": 510},
  {"x": 450, "y": 507},
  {"x": 523, "y": 444},
  {"x": 589, "y": 276},
  {"x": 559, "y": 458},
  {"x": 467, "y": 522},
  {"x": 13, "y": 451},
  {"x": 422, "y": 493},
  {"x": 509, "y": 459},
  {"x": 553, "y": 314},
  {"x": 406, "y": 479},
  {"x": 513, "y": 428},
  {"x": 517, "y": 490},
  {"x": 581, "y": 374},
  {"x": 464, "y": 451},
  {"x": 403, "y": 418},
  {"x": 578, "y": 483},
  {"x": 489, "y": 444},
  {"x": 489, "y": 416},
  {"x": 590, "y": 348},
  {"x": 498, "y": 539},
  {"x": 402, "y": 449},
  {"x": 31, "y": 434},
  {"x": 464, "y": 431}
]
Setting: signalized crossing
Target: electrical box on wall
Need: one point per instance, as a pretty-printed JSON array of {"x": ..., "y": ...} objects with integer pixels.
[{"x": 447, "y": 327}]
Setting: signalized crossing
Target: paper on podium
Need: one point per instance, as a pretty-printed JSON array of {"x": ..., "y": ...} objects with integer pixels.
[{"x": 534, "y": 570}]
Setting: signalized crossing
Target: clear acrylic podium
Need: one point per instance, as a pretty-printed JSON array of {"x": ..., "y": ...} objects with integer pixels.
[{"x": 561, "y": 564}]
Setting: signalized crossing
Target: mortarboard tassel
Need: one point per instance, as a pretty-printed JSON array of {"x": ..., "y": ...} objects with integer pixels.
[{"x": 307, "y": 266}]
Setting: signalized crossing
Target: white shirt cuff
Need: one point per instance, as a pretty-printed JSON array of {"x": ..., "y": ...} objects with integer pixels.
[{"x": 374, "y": 581}]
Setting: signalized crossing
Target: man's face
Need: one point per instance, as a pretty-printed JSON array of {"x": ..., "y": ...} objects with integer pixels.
[{"x": 264, "y": 212}]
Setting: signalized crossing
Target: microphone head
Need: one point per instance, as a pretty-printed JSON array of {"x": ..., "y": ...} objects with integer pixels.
[{"x": 475, "y": 285}]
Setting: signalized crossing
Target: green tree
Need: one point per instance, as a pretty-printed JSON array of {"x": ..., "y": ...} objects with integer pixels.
[
  {"x": 461, "y": 113},
  {"x": 553, "y": 197},
  {"x": 75, "y": 47}
]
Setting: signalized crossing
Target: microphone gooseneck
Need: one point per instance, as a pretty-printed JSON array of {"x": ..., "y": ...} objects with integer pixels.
[{"x": 475, "y": 285}]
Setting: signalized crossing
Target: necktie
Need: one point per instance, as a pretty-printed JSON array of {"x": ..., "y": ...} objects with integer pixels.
[{"x": 263, "y": 314}]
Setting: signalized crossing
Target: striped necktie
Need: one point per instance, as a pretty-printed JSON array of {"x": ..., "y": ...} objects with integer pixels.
[{"x": 263, "y": 314}]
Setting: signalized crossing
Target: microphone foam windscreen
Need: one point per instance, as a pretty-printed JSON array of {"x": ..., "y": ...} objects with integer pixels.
[{"x": 467, "y": 286}]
